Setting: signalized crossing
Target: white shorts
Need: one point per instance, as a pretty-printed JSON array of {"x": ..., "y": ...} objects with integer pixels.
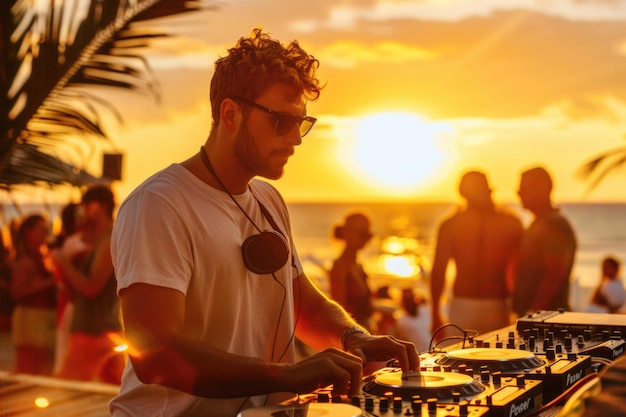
[{"x": 480, "y": 314}]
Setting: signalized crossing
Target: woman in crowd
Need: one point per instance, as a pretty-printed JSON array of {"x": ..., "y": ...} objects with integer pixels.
[
  {"x": 33, "y": 289},
  {"x": 348, "y": 280}
]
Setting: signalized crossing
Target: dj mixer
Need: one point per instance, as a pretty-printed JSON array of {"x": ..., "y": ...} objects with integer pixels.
[{"x": 527, "y": 369}]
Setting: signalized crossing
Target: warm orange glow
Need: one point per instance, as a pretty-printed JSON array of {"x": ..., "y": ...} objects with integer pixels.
[
  {"x": 120, "y": 342},
  {"x": 399, "y": 257},
  {"x": 395, "y": 150},
  {"x": 400, "y": 265},
  {"x": 42, "y": 402},
  {"x": 399, "y": 245},
  {"x": 494, "y": 92}
]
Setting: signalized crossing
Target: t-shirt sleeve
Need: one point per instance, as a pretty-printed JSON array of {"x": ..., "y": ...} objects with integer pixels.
[{"x": 150, "y": 244}]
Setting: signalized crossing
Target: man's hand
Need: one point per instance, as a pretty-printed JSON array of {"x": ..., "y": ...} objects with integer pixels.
[
  {"x": 383, "y": 348},
  {"x": 335, "y": 367}
]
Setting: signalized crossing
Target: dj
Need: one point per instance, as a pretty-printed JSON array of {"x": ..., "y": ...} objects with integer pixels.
[{"x": 212, "y": 290}]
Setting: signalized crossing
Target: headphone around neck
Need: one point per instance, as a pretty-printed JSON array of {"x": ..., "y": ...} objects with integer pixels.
[{"x": 265, "y": 252}]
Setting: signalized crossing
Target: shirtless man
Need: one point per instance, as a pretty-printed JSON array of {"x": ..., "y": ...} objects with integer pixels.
[
  {"x": 482, "y": 240},
  {"x": 547, "y": 251}
]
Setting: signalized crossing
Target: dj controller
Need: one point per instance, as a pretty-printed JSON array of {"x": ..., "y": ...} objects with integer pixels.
[{"x": 528, "y": 369}]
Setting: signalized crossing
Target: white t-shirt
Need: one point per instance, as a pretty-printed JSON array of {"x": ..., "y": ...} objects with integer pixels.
[
  {"x": 614, "y": 293},
  {"x": 175, "y": 231}
]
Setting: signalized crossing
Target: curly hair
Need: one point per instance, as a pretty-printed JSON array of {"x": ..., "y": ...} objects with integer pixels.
[{"x": 258, "y": 62}]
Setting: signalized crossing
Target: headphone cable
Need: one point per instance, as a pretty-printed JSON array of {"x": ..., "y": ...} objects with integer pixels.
[{"x": 209, "y": 167}]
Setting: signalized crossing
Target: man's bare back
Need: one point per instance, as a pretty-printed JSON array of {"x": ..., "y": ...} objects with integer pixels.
[{"x": 482, "y": 241}]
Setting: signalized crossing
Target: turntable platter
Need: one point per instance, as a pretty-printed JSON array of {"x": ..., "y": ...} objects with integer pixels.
[
  {"x": 495, "y": 359},
  {"x": 441, "y": 385}
]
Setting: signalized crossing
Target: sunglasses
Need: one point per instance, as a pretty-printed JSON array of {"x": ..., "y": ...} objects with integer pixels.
[{"x": 284, "y": 121}]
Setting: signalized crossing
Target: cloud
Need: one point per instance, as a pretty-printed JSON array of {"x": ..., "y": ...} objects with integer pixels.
[
  {"x": 512, "y": 63},
  {"x": 348, "y": 16},
  {"x": 181, "y": 52},
  {"x": 453, "y": 58},
  {"x": 348, "y": 54}
]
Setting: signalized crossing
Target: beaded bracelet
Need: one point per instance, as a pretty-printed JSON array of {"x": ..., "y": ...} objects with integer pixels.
[{"x": 350, "y": 331}]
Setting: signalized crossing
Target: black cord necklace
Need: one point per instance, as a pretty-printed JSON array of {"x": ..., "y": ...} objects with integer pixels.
[{"x": 209, "y": 167}]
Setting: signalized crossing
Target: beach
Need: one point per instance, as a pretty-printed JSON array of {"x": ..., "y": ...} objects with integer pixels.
[{"x": 600, "y": 229}]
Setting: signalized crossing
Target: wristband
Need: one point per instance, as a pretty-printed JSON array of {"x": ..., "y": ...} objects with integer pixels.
[{"x": 350, "y": 331}]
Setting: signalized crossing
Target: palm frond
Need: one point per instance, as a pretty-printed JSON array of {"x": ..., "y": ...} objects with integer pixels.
[
  {"x": 596, "y": 169},
  {"x": 54, "y": 53},
  {"x": 29, "y": 166}
]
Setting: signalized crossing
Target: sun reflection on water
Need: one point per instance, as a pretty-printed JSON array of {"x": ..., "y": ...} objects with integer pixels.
[{"x": 398, "y": 262}]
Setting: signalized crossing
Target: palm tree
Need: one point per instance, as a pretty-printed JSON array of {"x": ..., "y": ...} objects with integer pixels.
[
  {"x": 54, "y": 52},
  {"x": 598, "y": 167}
]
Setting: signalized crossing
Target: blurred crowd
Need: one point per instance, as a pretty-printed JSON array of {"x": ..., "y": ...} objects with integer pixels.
[
  {"x": 58, "y": 292},
  {"x": 58, "y": 295},
  {"x": 488, "y": 269}
]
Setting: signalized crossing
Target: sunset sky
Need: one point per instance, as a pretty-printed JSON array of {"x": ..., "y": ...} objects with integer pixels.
[{"x": 417, "y": 92}]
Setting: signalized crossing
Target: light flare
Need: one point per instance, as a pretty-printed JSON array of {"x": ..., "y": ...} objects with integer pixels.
[{"x": 42, "y": 402}]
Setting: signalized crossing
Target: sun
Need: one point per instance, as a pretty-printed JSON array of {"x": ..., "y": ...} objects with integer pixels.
[{"x": 396, "y": 150}]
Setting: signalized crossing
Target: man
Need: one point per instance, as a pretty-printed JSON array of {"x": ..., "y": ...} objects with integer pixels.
[
  {"x": 610, "y": 294},
  {"x": 209, "y": 317},
  {"x": 95, "y": 329},
  {"x": 542, "y": 277},
  {"x": 482, "y": 240},
  {"x": 71, "y": 244}
]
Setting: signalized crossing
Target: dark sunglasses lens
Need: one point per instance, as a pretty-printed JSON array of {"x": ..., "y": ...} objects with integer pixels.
[{"x": 284, "y": 124}]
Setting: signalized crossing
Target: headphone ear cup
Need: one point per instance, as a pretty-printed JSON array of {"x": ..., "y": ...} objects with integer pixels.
[{"x": 265, "y": 253}]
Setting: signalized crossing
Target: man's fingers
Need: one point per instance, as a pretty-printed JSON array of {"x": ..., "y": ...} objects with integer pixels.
[
  {"x": 342, "y": 370},
  {"x": 384, "y": 348}
]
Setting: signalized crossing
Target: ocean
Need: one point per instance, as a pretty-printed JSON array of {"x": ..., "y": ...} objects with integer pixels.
[
  {"x": 600, "y": 229},
  {"x": 409, "y": 230}
]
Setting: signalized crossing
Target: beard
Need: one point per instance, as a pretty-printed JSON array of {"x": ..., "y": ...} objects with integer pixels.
[{"x": 248, "y": 154}]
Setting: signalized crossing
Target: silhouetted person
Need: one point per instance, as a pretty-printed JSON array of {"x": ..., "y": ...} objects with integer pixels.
[
  {"x": 542, "y": 276},
  {"x": 482, "y": 240},
  {"x": 69, "y": 223},
  {"x": 95, "y": 329},
  {"x": 610, "y": 295},
  {"x": 71, "y": 243},
  {"x": 6, "y": 301},
  {"x": 348, "y": 280},
  {"x": 34, "y": 292}
]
